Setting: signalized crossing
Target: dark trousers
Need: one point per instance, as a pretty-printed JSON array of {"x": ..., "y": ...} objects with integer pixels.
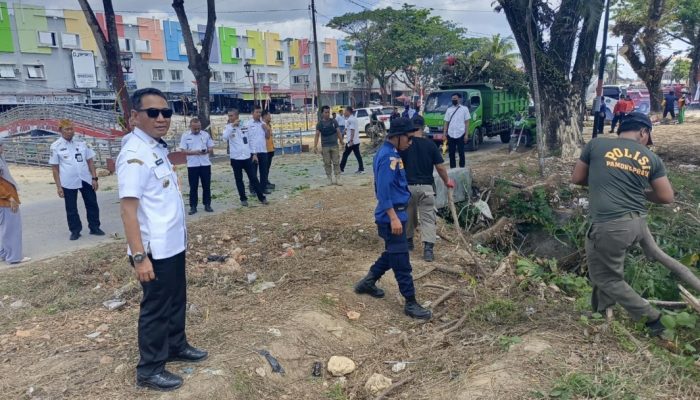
[
  {"x": 270, "y": 154},
  {"x": 239, "y": 166},
  {"x": 670, "y": 110},
  {"x": 194, "y": 175},
  {"x": 456, "y": 145},
  {"x": 355, "y": 148},
  {"x": 70, "y": 198},
  {"x": 395, "y": 256},
  {"x": 263, "y": 168},
  {"x": 615, "y": 120},
  {"x": 162, "y": 316}
]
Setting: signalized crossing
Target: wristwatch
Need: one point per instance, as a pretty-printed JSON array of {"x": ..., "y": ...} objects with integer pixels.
[
  {"x": 138, "y": 258},
  {"x": 95, "y": 178}
]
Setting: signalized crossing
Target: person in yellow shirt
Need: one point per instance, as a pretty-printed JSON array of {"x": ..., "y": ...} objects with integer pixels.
[
  {"x": 267, "y": 120},
  {"x": 681, "y": 109}
]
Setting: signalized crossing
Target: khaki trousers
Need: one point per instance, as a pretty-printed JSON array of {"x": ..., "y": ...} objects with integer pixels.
[
  {"x": 331, "y": 161},
  {"x": 607, "y": 244},
  {"x": 421, "y": 209}
]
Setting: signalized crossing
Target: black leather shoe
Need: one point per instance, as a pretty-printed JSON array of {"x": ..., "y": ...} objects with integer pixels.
[
  {"x": 74, "y": 236},
  {"x": 208, "y": 209},
  {"x": 428, "y": 252},
  {"x": 244, "y": 203},
  {"x": 414, "y": 310},
  {"x": 410, "y": 244},
  {"x": 97, "y": 232},
  {"x": 656, "y": 328},
  {"x": 189, "y": 354},
  {"x": 367, "y": 286},
  {"x": 265, "y": 201},
  {"x": 193, "y": 210},
  {"x": 270, "y": 186},
  {"x": 267, "y": 191},
  {"x": 164, "y": 382}
]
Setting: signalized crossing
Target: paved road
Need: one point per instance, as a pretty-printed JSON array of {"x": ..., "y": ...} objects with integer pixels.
[{"x": 45, "y": 229}]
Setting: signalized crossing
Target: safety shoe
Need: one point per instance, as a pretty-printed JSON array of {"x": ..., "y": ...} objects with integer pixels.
[
  {"x": 414, "y": 310},
  {"x": 163, "y": 382},
  {"x": 428, "y": 252},
  {"x": 410, "y": 244},
  {"x": 367, "y": 286}
]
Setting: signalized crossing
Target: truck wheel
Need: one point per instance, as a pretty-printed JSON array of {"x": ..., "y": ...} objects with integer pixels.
[
  {"x": 505, "y": 137},
  {"x": 473, "y": 143}
]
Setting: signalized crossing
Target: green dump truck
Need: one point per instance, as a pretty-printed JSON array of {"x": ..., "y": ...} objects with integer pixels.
[{"x": 493, "y": 111}]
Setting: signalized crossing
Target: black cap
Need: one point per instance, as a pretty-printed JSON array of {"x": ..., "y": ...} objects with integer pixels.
[
  {"x": 400, "y": 126},
  {"x": 418, "y": 121},
  {"x": 635, "y": 121}
]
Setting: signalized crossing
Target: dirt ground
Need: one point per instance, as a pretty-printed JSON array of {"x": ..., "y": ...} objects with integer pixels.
[{"x": 510, "y": 342}]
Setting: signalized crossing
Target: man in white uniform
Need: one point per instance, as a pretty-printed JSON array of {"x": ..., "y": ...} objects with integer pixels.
[
  {"x": 257, "y": 136},
  {"x": 73, "y": 171},
  {"x": 352, "y": 141},
  {"x": 197, "y": 145},
  {"x": 457, "y": 128},
  {"x": 154, "y": 223},
  {"x": 242, "y": 157}
]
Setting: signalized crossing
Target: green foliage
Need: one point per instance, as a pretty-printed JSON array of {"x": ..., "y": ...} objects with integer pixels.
[
  {"x": 532, "y": 207},
  {"x": 681, "y": 70},
  {"x": 546, "y": 271},
  {"x": 579, "y": 385},
  {"x": 497, "y": 311},
  {"x": 506, "y": 341},
  {"x": 336, "y": 392}
]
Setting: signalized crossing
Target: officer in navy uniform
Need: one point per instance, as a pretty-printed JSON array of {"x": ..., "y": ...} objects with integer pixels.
[
  {"x": 154, "y": 223},
  {"x": 391, "y": 190}
]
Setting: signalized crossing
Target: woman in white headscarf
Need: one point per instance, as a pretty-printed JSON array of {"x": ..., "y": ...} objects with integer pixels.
[{"x": 10, "y": 220}]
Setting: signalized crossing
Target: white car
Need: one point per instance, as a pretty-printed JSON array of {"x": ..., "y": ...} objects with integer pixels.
[{"x": 363, "y": 116}]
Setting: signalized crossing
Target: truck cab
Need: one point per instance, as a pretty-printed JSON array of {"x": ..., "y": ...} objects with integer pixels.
[{"x": 437, "y": 104}]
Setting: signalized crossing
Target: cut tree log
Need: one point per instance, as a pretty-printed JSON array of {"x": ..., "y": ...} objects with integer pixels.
[
  {"x": 424, "y": 273},
  {"x": 494, "y": 232},
  {"x": 689, "y": 298},
  {"x": 448, "y": 293},
  {"x": 654, "y": 252},
  {"x": 668, "y": 304}
]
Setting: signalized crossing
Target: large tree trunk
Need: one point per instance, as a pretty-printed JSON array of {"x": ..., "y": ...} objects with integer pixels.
[
  {"x": 203, "y": 103},
  {"x": 694, "y": 69},
  {"x": 111, "y": 55}
]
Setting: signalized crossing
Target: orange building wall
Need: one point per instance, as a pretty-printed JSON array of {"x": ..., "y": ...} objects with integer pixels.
[{"x": 149, "y": 29}]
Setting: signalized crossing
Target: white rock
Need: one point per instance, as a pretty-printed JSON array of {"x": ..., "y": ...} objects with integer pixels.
[
  {"x": 18, "y": 304},
  {"x": 398, "y": 367},
  {"x": 377, "y": 383},
  {"x": 93, "y": 335},
  {"x": 274, "y": 332},
  {"x": 339, "y": 366},
  {"x": 260, "y": 371},
  {"x": 317, "y": 237},
  {"x": 251, "y": 277},
  {"x": 114, "y": 304}
]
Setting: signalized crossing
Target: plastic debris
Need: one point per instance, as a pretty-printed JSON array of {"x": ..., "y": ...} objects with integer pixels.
[
  {"x": 216, "y": 258},
  {"x": 318, "y": 367},
  {"x": 398, "y": 367},
  {"x": 259, "y": 288},
  {"x": 252, "y": 277},
  {"x": 114, "y": 304},
  {"x": 274, "y": 364}
]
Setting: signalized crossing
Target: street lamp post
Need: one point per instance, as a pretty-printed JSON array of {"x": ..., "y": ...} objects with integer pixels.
[
  {"x": 306, "y": 109},
  {"x": 249, "y": 72}
]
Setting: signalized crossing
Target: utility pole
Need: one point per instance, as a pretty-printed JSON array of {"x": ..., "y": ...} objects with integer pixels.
[
  {"x": 617, "y": 53},
  {"x": 601, "y": 72},
  {"x": 318, "y": 67}
]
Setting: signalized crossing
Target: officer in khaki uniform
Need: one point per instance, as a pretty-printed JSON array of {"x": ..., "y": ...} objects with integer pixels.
[
  {"x": 622, "y": 175},
  {"x": 419, "y": 161},
  {"x": 154, "y": 222}
]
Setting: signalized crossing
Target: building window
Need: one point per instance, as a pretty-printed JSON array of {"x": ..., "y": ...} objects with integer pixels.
[
  {"x": 358, "y": 59},
  {"x": 292, "y": 60},
  {"x": 348, "y": 60},
  {"x": 36, "y": 72},
  {"x": 7, "y": 71},
  {"x": 216, "y": 76},
  {"x": 229, "y": 77},
  {"x": 342, "y": 78},
  {"x": 70, "y": 40},
  {"x": 235, "y": 52},
  {"x": 183, "y": 49},
  {"x": 143, "y": 46},
  {"x": 272, "y": 78},
  {"x": 296, "y": 79},
  {"x": 326, "y": 58},
  {"x": 280, "y": 56},
  {"x": 249, "y": 54},
  {"x": 176, "y": 75},
  {"x": 307, "y": 58},
  {"x": 157, "y": 75},
  {"x": 47, "y": 39},
  {"x": 124, "y": 44},
  {"x": 334, "y": 78}
]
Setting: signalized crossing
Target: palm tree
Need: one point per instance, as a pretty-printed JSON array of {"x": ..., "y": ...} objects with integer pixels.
[{"x": 497, "y": 48}]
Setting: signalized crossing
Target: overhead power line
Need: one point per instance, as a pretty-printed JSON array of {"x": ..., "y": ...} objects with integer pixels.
[{"x": 142, "y": 12}]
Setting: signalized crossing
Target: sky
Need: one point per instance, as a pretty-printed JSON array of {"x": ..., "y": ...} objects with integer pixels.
[{"x": 292, "y": 18}]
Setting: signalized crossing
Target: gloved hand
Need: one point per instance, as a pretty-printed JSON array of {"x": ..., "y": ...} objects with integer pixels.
[{"x": 450, "y": 183}]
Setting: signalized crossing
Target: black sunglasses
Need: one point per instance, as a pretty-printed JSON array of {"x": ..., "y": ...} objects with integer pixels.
[{"x": 153, "y": 112}]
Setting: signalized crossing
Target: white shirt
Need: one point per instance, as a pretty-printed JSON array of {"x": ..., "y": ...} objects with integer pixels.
[
  {"x": 238, "y": 142},
  {"x": 411, "y": 112},
  {"x": 256, "y": 136},
  {"x": 351, "y": 130},
  {"x": 198, "y": 142},
  {"x": 340, "y": 119},
  {"x": 71, "y": 158},
  {"x": 144, "y": 172},
  {"x": 126, "y": 138},
  {"x": 455, "y": 129}
]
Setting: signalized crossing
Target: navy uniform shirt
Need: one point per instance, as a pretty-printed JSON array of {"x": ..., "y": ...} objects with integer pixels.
[{"x": 390, "y": 184}]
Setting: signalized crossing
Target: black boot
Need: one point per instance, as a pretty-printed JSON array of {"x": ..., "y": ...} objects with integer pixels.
[
  {"x": 410, "y": 244},
  {"x": 656, "y": 328},
  {"x": 428, "y": 251},
  {"x": 367, "y": 286},
  {"x": 414, "y": 310}
]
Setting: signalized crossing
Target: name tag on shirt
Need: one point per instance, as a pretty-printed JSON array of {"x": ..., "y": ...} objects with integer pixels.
[
  {"x": 159, "y": 161},
  {"x": 78, "y": 157}
]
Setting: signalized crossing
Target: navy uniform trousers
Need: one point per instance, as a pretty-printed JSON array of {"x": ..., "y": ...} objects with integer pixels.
[
  {"x": 161, "y": 328},
  {"x": 395, "y": 256}
]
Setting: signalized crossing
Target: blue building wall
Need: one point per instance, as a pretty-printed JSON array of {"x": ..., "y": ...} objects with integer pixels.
[
  {"x": 172, "y": 33},
  {"x": 342, "y": 52},
  {"x": 215, "y": 55}
]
